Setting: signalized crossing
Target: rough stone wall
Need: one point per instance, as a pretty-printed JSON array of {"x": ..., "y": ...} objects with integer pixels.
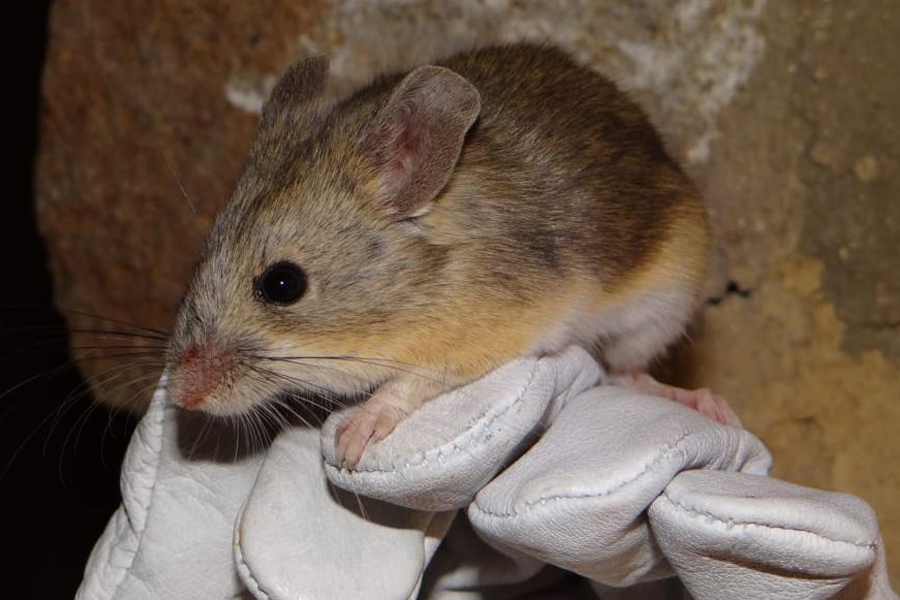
[
  {"x": 786, "y": 113},
  {"x": 804, "y": 187}
]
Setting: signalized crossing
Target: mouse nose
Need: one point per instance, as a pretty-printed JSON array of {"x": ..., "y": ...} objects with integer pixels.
[
  {"x": 198, "y": 369},
  {"x": 190, "y": 355}
]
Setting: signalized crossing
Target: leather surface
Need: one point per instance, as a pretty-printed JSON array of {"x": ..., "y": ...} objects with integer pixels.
[{"x": 510, "y": 485}]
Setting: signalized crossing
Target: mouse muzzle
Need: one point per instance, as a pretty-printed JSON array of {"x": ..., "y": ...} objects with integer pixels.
[{"x": 198, "y": 370}]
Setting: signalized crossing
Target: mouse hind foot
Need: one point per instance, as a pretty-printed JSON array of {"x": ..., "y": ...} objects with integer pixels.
[{"x": 702, "y": 400}]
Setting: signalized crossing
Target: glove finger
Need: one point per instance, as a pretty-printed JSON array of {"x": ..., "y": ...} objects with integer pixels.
[
  {"x": 183, "y": 483},
  {"x": 742, "y": 536},
  {"x": 298, "y": 537},
  {"x": 115, "y": 551},
  {"x": 441, "y": 455},
  {"x": 577, "y": 498}
]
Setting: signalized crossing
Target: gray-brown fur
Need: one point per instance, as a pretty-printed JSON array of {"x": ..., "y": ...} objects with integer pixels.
[{"x": 560, "y": 176}]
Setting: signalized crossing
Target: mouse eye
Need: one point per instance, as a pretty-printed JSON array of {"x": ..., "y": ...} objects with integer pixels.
[{"x": 282, "y": 283}]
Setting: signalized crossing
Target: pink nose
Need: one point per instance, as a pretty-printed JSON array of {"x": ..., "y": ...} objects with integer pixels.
[
  {"x": 197, "y": 375},
  {"x": 190, "y": 354}
]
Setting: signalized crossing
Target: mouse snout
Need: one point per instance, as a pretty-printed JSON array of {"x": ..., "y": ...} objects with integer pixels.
[{"x": 198, "y": 371}]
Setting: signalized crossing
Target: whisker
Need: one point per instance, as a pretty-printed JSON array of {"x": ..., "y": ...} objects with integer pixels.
[
  {"x": 181, "y": 187},
  {"x": 55, "y": 414},
  {"x": 49, "y": 374},
  {"x": 283, "y": 405},
  {"x": 384, "y": 363},
  {"x": 63, "y": 333},
  {"x": 93, "y": 383},
  {"x": 164, "y": 334},
  {"x": 333, "y": 369},
  {"x": 290, "y": 378},
  {"x": 199, "y": 437},
  {"x": 108, "y": 431},
  {"x": 84, "y": 420},
  {"x": 51, "y": 310},
  {"x": 79, "y": 426},
  {"x": 374, "y": 360},
  {"x": 62, "y": 368},
  {"x": 275, "y": 389},
  {"x": 115, "y": 333},
  {"x": 38, "y": 348},
  {"x": 122, "y": 347}
]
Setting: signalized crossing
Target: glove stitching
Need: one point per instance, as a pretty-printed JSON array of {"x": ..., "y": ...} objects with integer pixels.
[
  {"x": 662, "y": 455},
  {"x": 530, "y": 504},
  {"x": 145, "y": 507},
  {"x": 258, "y": 592},
  {"x": 729, "y": 523},
  {"x": 479, "y": 432}
]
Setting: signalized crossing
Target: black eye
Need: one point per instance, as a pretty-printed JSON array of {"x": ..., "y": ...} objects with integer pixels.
[{"x": 282, "y": 283}]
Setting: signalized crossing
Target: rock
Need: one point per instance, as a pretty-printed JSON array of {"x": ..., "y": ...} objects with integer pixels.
[
  {"x": 866, "y": 169},
  {"x": 826, "y": 155}
]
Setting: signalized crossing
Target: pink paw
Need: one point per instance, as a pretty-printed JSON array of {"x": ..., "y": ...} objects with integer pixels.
[
  {"x": 365, "y": 424},
  {"x": 702, "y": 400},
  {"x": 706, "y": 403}
]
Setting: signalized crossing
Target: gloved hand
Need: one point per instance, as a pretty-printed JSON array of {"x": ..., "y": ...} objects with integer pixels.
[{"x": 628, "y": 491}]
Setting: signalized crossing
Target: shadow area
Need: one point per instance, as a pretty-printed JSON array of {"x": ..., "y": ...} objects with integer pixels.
[{"x": 233, "y": 439}]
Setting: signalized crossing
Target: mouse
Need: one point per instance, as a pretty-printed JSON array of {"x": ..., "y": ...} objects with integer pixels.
[{"x": 414, "y": 235}]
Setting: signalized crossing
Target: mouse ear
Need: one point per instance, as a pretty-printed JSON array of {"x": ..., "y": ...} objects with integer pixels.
[
  {"x": 418, "y": 137},
  {"x": 301, "y": 83}
]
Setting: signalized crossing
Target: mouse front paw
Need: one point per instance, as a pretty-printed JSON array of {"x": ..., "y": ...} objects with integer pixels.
[{"x": 366, "y": 424}]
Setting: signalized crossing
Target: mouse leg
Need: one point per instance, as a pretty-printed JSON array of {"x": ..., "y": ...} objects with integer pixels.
[
  {"x": 702, "y": 400},
  {"x": 374, "y": 419},
  {"x": 653, "y": 326}
]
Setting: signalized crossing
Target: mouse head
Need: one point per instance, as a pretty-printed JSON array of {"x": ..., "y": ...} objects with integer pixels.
[{"x": 318, "y": 270}]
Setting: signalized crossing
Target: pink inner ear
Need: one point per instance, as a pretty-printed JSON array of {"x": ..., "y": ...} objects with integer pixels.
[
  {"x": 404, "y": 146},
  {"x": 419, "y": 137}
]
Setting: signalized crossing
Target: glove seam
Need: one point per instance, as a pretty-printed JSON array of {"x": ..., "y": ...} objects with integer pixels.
[
  {"x": 662, "y": 455},
  {"x": 729, "y": 523},
  {"x": 531, "y": 504},
  {"x": 248, "y": 576},
  {"x": 449, "y": 448},
  {"x": 139, "y": 533}
]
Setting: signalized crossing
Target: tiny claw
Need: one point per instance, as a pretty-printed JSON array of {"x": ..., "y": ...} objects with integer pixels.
[{"x": 363, "y": 426}]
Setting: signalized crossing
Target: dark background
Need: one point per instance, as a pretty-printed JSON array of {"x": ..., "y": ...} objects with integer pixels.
[{"x": 59, "y": 457}]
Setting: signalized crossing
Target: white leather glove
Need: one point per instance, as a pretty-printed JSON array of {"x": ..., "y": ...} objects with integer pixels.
[{"x": 622, "y": 489}]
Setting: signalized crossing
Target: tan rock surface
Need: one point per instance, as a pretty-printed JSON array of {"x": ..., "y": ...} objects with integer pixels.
[
  {"x": 787, "y": 114},
  {"x": 809, "y": 220}
]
